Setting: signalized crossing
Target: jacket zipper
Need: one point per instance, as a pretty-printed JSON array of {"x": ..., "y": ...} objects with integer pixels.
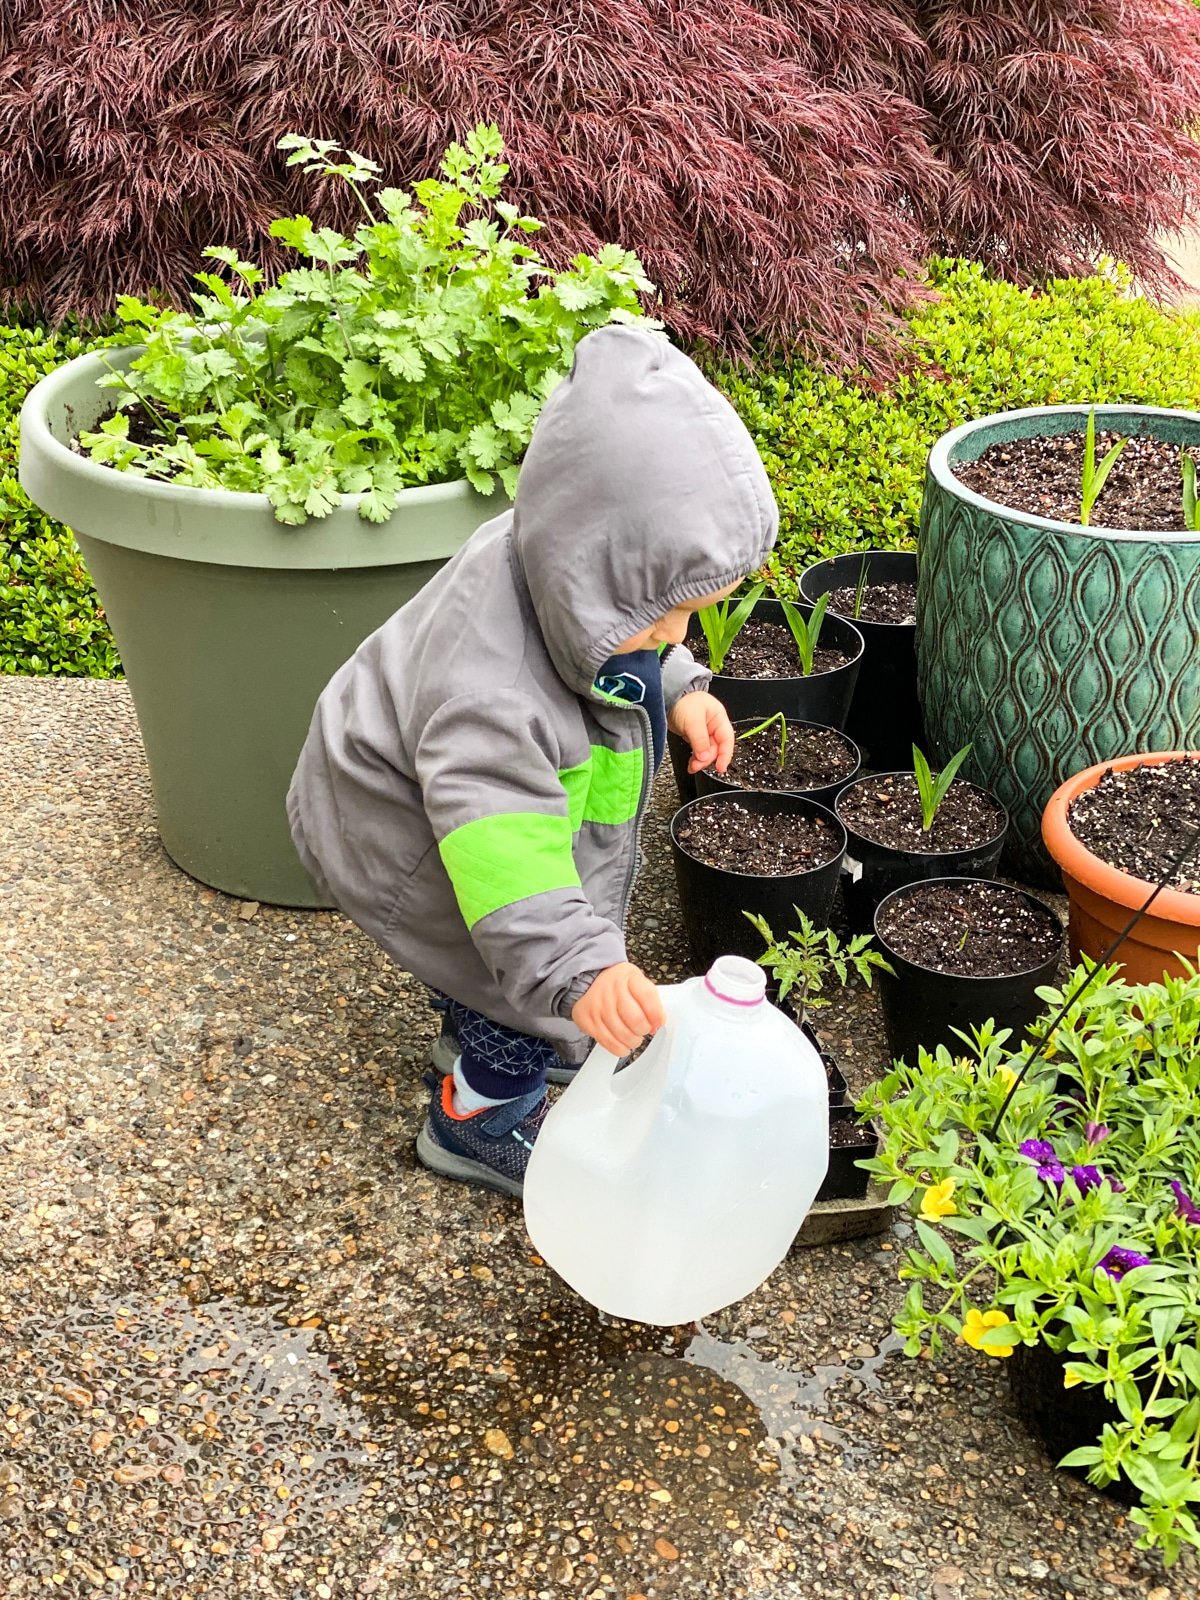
[{"x": 647, "y": 780}]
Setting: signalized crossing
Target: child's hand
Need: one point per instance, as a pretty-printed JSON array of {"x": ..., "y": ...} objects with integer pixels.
[
  {"x": 703, "y": 721},
  {"x": 620, "y": 1009}
]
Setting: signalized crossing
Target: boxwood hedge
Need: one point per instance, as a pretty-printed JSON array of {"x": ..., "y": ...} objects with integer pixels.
[{"x": 846, "y": 459}]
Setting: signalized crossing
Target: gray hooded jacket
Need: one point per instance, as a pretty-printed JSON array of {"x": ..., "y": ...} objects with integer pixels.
[{"x": 466, "y": 794}]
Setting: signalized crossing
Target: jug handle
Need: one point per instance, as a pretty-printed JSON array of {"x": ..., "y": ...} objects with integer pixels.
[{"x": 596, "y": 1078}]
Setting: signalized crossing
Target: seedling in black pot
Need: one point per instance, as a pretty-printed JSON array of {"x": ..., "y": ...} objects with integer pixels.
[
  {"x": 934, "y": 790},
  {"x": 808, "y": 955},
  {"x": 762, "y": 728},
  {"x": 806, "y": 630},
  {"x": 722, "y": 626}
]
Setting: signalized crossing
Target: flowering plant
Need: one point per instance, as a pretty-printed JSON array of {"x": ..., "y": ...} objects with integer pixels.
[{"x": 1074, "y": 1222}]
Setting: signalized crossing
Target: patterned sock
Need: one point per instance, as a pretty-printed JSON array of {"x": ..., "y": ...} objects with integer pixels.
[{"x": 466, "y": 1099}]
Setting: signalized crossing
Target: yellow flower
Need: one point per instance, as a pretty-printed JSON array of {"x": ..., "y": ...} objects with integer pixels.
[
  {"x": 936, "y": 1201},
  {"x": 1070, "y": 1379},
  {"x": 978, "y": 1323},
  {"x": 1007, "y": 1076}
]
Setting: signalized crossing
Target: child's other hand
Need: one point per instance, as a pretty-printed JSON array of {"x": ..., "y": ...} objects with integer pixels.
[
  {"x": 620, "y": 1009},
  {"x": 703, "y": 721}
]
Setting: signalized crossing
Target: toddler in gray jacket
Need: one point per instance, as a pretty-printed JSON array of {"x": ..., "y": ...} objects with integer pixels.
[{"x": 474, "y": 780}]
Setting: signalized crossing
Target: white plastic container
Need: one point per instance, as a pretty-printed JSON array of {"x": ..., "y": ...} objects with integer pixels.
[{"x": 676, "y": 1186}]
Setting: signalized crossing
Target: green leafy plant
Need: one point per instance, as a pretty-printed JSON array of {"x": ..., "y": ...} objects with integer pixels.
[
  {"x": 416, "y": 351},
  {"x": 806, "y": 631},
  {"x": 808, "y": 956},
  {"x": 1076, "y": 1222},
  {"x": 1191, "y": 506},
  {"x": 762, "y": 728},
  {"x": 1094, "y": 477},
  {"x": 51, "y": 622},
  {"x": 932, "y": 791},
  {"x": 721, "y": 625}
]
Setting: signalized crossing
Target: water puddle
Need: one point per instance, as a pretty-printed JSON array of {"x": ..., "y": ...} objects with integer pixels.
[{"x": 793, "y": 1406}]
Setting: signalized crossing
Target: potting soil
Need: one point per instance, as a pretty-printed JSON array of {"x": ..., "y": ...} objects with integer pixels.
[
  {"x": 881, "y": 602},
  {"x": 887, "y": 810},
  {"x": 1138, "y": 821},
  {"x": 1043, "y": 475},
  {"x": 736, "y": 839},
  {"x": 973, "y": 930},
  {"x": 767, "y": 650}
]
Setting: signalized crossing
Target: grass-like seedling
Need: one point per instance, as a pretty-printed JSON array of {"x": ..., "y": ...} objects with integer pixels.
[
  {"x": 860, "y": 589},
  {"x": 934, "y": 790},
  {"x": 762, "y": 728},
  {"x": 1191, "y": 507},
  {"x": 806, "y": 632},
  {"x": 722, "y": 626},
  {"x": 1094, "y": 477}
]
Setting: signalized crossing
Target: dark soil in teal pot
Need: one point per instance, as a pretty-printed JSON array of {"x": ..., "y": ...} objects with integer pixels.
[{"x": 1046, "y": 645}]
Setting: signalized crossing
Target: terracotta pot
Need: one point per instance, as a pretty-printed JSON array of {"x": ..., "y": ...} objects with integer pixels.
[{"x": 1103, "y": 898}]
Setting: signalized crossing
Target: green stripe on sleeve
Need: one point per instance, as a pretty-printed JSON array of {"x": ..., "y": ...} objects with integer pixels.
[
  {"x": 496, "y": 861},
  {"x": 576, "y": 781},
  {"x": 616, "y": 785}
]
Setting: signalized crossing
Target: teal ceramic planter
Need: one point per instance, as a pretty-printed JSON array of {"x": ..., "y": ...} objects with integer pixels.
[
  {"x": 229, "y": 624},
  {"x": 1045, "y": 645}
]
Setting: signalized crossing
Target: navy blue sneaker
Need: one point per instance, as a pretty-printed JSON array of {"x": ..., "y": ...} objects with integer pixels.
[
  {"x": 446, "y": 1051},
  {"x": 490, "y": 1147}
]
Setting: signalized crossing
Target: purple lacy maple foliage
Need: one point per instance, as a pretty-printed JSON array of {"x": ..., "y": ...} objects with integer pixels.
[{"x": 781, "y": 168}]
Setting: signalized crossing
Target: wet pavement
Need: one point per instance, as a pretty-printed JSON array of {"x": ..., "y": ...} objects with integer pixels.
[{"x": 248, "y": 1347}]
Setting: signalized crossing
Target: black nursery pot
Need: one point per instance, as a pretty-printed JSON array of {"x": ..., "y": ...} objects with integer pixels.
[
  {"x": 885, "y": 714},
  {"x": 872, "y": 871},
  {"x": 922, "y": 1008},
  {"x": 845, "y": 1180},
  {"x": 711, "y": 782},
  {"x": 823, "y": 697},
  {"x": 839, "y": 1089},
  {"x": 712, "y": 899},
  {"x": 680, "y": 753},
  {"x": 1062, "y": 1419}
]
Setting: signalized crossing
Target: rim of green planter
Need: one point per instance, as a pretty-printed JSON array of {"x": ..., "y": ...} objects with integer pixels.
[
  {"x": 213, "y": 525},
  {"x": 948, "y": 449}
]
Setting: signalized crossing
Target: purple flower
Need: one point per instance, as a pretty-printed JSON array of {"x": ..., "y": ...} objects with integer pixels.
[
  {"x": 1041, "y": 1153},
  {"x": 1096, "y": 1132},
  {"x": 1184, "y": 1204},
  {"x": 1119, "y": 1261},
  {"x": 1086, "y": 1178}
]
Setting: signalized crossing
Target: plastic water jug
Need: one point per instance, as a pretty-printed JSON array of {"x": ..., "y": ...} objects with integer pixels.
[{"x": 677, "y": 1185}]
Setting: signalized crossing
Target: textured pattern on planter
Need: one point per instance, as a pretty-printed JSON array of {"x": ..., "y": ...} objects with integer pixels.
[{"x": 1046, "y": 646}]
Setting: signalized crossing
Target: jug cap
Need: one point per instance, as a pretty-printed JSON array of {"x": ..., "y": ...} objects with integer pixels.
[{"x": 736, "y": 980}]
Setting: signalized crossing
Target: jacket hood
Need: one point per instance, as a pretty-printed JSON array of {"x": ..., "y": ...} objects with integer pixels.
[{"x": 641, "y": 489}]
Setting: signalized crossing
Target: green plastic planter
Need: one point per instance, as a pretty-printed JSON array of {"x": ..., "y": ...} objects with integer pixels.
[
  {"x": 1049, "y": 646},
  {"x": 229, "y": 624}
]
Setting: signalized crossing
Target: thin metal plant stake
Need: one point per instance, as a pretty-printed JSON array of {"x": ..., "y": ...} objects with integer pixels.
[{"x": 1189, "y": 845}]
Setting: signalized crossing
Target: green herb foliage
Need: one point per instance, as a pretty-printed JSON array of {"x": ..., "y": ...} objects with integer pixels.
[
  {"x": 806, "y": 631},
  {"x": 721, "y": 625},
  {"x": 933, "y": 791},
  {"x": 417, "y": 351},
  {"x": 762, "y": 728},
  {"x": 1191, "y": 505},
  {"x": 802, "y": 963},
  {"x": 1094, "y": 477},
  {"x": 1076, "y": 1226}
]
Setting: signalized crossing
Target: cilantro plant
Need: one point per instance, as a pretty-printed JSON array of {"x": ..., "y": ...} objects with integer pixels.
[
  {"x": 802, "y": 962},
  {"x": 418, "y": 350},
  {"x": 1076, "y": 1222}
]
